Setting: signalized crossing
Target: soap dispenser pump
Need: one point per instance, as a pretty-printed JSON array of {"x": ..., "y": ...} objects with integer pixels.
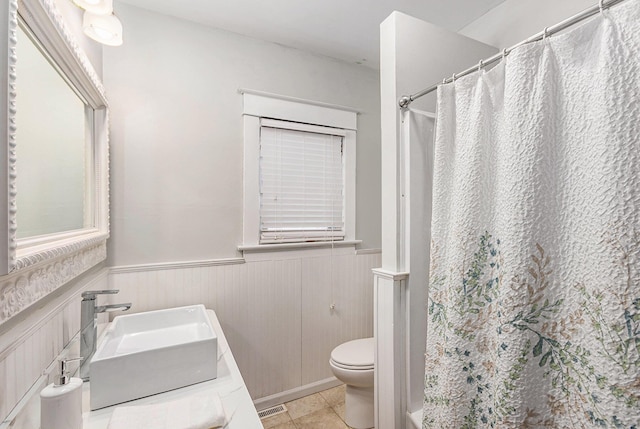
[{"x": 61, "y": 401}]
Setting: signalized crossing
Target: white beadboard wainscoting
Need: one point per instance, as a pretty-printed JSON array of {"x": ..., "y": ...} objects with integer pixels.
[
  {"x": 31, "y": 341},
  {"x": 282, "y": 316}
]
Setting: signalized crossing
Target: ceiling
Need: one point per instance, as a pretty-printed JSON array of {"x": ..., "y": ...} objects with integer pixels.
[{"x": 344, "y": 29}]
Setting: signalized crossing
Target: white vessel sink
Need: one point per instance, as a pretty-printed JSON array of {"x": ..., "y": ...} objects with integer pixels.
[{"x": 147, "y": 353}]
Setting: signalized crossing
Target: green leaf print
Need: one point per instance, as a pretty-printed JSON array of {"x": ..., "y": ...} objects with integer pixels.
[{"x": 538, "y": 325}]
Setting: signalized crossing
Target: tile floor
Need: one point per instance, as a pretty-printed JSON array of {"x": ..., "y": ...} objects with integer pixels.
[{"x": 323, "y": 410}]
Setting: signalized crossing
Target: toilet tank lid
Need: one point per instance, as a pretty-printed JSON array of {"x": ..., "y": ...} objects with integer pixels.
[{"x": 354, "y": 353}]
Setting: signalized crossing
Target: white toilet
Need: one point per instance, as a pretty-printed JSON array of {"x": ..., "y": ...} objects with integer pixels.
[{"x": 352, "y": 363}]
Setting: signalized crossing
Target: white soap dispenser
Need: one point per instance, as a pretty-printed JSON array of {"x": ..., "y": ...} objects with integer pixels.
[{"x": 61, "y": 401}]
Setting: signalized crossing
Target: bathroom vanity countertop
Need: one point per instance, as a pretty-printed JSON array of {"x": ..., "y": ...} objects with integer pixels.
[{"x": 229, "y": 385}]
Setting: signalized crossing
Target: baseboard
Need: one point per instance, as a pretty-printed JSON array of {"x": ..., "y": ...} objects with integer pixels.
[{"x": 297, "y": 393}]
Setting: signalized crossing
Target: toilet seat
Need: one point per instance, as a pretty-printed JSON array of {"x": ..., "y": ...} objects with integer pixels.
[
  {"x": 356, "y": 355},
  {"x": 351, "y": 367}
]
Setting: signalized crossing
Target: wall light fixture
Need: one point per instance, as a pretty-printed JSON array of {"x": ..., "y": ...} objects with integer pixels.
[
  {"x": 99, "y": 7},
  {"x": 106, "y": 29},
  {"x": 99, "y": 22}
]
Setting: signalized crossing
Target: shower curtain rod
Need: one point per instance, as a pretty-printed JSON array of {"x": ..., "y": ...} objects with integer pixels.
[{"x": 406, "y": 100}]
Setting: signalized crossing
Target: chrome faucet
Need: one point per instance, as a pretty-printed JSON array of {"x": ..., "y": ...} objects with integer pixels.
[{"x": 89, "y": 326}]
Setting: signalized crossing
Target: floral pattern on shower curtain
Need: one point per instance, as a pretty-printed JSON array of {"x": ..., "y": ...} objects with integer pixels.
[{"x": 534, "y": 295}]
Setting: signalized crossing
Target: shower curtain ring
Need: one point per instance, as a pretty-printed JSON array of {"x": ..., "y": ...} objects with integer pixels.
[
  {"x": 545, "y": 33},
  {"x": 601, "y": 5},
  {"x": 504, "y": 54},
  {"x": 481, "y": 65},
  {"x": 453, "y": 78}
]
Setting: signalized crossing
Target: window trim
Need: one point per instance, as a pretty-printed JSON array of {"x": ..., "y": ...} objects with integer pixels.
[{"x": 259, "y": 105}]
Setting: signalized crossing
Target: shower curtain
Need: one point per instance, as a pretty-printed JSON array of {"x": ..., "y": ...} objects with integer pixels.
[{"x": 534, "y": 295}]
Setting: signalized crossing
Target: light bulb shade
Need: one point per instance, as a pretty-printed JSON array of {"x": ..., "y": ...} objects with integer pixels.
[
  {"x": 106, "y": 29},
  {"x": 98, "y": 7}
]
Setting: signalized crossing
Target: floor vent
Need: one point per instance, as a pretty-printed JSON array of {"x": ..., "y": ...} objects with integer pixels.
[{"x": 278, "y": 409}]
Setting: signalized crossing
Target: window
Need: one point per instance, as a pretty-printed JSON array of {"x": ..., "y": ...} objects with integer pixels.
[
  {"x": 299, "y": 172},
  {"x": 301, "y": 183}
]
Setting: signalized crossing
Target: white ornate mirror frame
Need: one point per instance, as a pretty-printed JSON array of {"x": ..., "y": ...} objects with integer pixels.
[{"x": 32, "y": 268}]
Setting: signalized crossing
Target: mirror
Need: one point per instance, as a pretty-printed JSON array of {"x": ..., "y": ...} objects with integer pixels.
[
  {"x": 54, "y": 216},
  {"x": 54, "y": 138}
]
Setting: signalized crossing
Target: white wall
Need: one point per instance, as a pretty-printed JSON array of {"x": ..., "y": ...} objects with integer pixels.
[
  {"x": 515, "y": 20},
  {"x": 176, "y": 195},
  {"x": 176, "y": 133}
]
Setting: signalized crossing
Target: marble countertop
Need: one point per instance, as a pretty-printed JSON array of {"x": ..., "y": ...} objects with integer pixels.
[{"x": 229, "y": 385}]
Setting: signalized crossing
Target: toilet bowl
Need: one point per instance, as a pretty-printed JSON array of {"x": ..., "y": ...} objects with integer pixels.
[{"x": 352, "y": 363}]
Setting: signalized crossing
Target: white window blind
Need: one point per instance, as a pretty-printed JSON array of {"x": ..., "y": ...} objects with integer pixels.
[{"x": 301, "y": 183}]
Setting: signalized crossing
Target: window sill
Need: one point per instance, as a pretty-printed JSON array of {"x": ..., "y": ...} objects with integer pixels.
[
  {"x": 257, "y": 249},
  {"x": 251, "y": 248}
]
